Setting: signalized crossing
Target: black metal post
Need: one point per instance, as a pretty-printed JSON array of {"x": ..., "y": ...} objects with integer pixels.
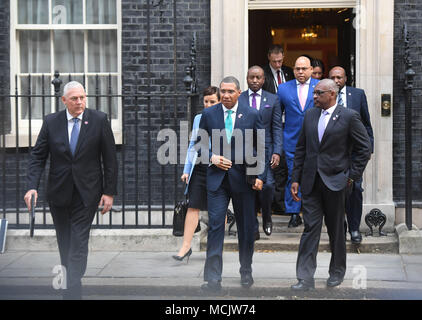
[
  {"x": 57, "y": 83},
  {"x": 409, "y": 74}
]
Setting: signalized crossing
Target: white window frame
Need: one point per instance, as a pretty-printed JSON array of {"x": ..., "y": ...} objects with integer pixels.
[{"x": 36, "y": 124}]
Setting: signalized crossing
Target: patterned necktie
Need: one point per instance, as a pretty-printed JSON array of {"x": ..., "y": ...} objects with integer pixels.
[
  {"x": 229, "y": 125},
  {"x": 279, "y": 81},
  {"x": 340, "y": 99},
  {"x": 302, "y": 96},
  {"x": 321, "y": 124},
  {"x": 254, "y": 94},
  {"x": 74, "y": 136}
]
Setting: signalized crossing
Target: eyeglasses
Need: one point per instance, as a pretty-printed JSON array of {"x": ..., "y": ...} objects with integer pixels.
[
  {"x": 301, "y": 69},
  {"x": 320, "y": 92}
]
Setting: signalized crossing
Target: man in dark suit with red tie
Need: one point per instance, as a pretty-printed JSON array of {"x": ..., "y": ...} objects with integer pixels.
[
  {"x": 82, "y": 177},
  {"x": 324, "y": 169},
  {"x": 232, "y": 127},
  {"x": 269, "y": 109},
  {"x": 275, "y": 74},
  {"x": 355, "y": 99}
]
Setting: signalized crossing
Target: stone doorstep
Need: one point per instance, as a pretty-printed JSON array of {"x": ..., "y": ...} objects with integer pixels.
[{"x": 157, "y": 239}]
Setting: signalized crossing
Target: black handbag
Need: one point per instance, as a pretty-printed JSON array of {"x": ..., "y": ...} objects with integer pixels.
[{"x": 179, "y": 216}]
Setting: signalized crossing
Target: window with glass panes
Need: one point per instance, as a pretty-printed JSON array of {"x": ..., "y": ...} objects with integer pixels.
[{"x": 78, "y": 38}]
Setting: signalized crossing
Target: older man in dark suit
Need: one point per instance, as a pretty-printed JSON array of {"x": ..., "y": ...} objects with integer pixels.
[
  {"x": 355, "y": 99},
  {"x": 232, "y": 127},
  {"x": 324, "y": 169},
  {"x": 269, "y": 109},
  {"x": 83, "y": 176}
]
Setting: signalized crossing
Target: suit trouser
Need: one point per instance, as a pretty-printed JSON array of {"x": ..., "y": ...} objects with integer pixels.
[
  {"x": 322, "y": 203},
  {"x": 280, "y": 178},
  {"x": 264, "y": 199},
  {"x": 244, "y": 210},
  {"x": 73, "y": 224},
  {"x": 354, "y": 206},
  {"x": 291, "y": 205}
]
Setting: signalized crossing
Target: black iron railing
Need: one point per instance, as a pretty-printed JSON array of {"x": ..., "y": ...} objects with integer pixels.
[{"x": 147, "y": 190}]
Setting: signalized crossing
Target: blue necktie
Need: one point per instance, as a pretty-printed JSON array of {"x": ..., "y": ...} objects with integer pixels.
[
  {"x": 229, "y": 125},
  {"x": 74, "y": 136},
  {"x": 321, "y": 125},
  {"x": 340, "y": 99}
]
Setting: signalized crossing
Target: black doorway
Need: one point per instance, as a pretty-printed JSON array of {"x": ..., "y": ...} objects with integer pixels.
[{"x": 325, "y": 34}]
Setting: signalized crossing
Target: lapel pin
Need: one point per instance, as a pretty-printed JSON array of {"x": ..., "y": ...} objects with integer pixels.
[
  {"x": 240, "y": 115},
  {"x": 265, "y": 99},
  {"x": 86, "y": 122}
]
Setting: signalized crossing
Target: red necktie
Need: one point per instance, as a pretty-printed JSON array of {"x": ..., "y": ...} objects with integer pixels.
[{"x": 278, "y": 77}]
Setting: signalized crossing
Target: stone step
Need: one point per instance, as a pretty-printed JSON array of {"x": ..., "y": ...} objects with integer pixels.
[{"x": 290, "y": 242}]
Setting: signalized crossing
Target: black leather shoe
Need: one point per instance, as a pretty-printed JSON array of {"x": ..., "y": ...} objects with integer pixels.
[
  {"x": 257, "y": 236},
  {"x": 211, "y": 287},
  {"x": 304, "y": 285},
  {"x": 246, "y": 281},
  {"x": 267, "y": 225},
  {"x": 334, "y": 281},
  {"x": 356, "y": 237},
  {"x": 295, "y": 220}
]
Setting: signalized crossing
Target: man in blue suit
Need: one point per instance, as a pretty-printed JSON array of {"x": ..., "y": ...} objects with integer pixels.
[
  {"x": 233, "y": 174},
  {"x": 268, "y": 106},
  {"x": 353, "y": 98},
  {"x": 296, "y": 96}
]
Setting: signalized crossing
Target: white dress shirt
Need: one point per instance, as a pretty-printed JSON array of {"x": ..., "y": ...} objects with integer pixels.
[
  {"x": 306, "y": 88},
  {"x": 329, "y": 115},
  {"x": 70, "y": 122},
  {"x": 343, "y": 93},
  {"x": 257, "y": 98},
  {"x": 233, "y": 115},
  {"x": 274, "y": 71}
]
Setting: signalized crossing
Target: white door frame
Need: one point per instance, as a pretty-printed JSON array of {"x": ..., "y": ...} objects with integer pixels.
[{"x": 374, "y": 51}]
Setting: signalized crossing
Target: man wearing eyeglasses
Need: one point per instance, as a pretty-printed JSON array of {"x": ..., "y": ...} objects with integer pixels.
[
  {"x": 325, "y": 170},
  {"x": 295, "y": 98}
]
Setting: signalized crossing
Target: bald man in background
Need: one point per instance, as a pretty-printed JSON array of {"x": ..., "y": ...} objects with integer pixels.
[{"x": 296, "y": 96}]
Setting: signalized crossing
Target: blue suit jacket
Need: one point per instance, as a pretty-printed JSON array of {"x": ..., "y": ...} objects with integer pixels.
[
  {"x": 270, "y": 113},
  {"x": 290, "y": 105},
  {"x": 356, "y": 100},
  {"x": 246, "y": 118}
]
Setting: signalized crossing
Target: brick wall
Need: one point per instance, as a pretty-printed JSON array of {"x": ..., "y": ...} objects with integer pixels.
[
  {"x": 4, "y": 60},
  {"x": 408, "y": 11},
  {"x": 167, "y": 56}
]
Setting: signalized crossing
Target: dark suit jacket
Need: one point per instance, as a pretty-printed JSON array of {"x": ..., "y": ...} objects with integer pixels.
[
  {"x": 270, "y": 113},
  {"x": 246, "y": 118},
  {"x": 95, "y": 143},
  {"x": 270, "y": 85},
  {"x": 331, "y": 158},
  {"x": 356, "y": 100}
]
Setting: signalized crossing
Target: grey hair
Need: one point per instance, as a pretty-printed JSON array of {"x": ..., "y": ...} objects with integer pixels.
[
  {"x": 330, "y": 85},
  {"x": 71, "y": 85},
  {"x": 231, "y": 79}
]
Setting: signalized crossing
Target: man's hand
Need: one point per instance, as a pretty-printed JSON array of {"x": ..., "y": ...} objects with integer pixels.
[
  {"x": 185, "y": 177},
  {"x": 27, "y": 198},
  {"x": 275, "y": 160},
  {"x": 221, "y": 162},
  {"x": 294, "y": 190},
  {"x": 258, "y": 184},
  {"x": 106, "y": 202}
]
